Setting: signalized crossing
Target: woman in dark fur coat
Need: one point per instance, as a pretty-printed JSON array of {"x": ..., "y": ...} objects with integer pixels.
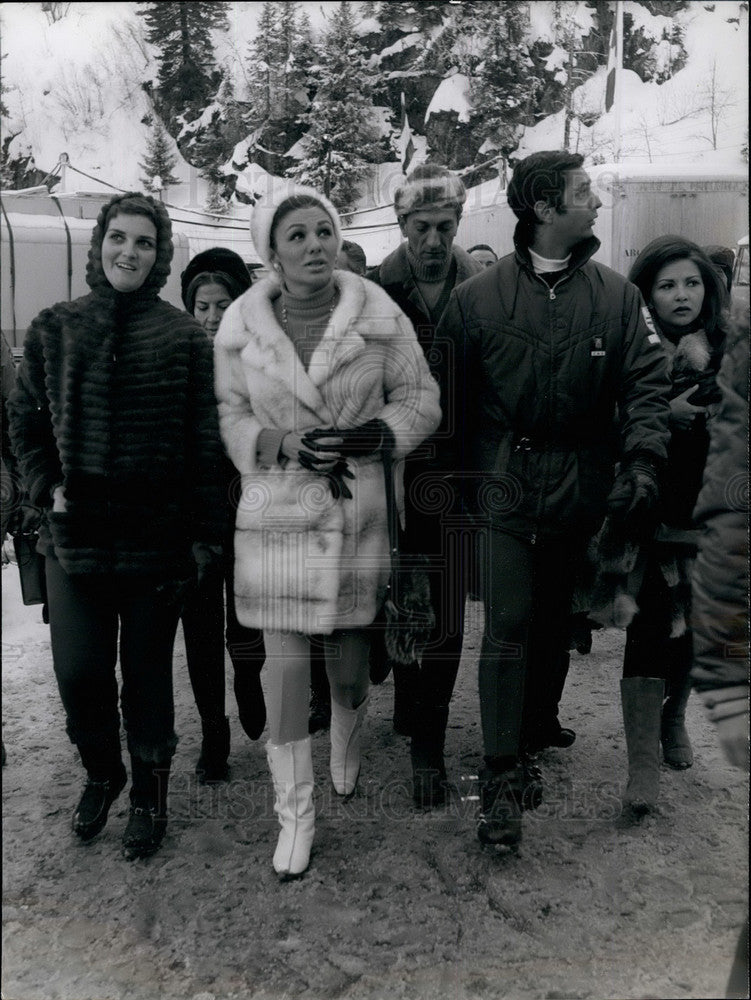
[
  {"x": 113, "y": 421},
  {"x": 686, "y": 301}
]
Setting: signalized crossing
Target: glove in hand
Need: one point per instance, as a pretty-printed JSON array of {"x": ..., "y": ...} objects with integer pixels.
[
  {"x": 353, "y": 442},
  {"x": 635, "y": 488},
  {"x": 335, "y": 476}
]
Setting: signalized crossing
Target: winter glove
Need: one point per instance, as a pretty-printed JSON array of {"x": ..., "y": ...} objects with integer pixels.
[
  {"x": 635, "y": 490},
  {"x": 354, "y": 442},
  {"x": 335, "y": 476}
]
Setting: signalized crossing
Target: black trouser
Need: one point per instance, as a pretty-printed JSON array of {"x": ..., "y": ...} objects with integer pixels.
[
  {"x": 88, "y": 614},
  {"x": 650, "y": 652},
  {"x": 527, "y": 593},
  {"x": 203, "y": 620},
  {"x": 450, "y": 576}
]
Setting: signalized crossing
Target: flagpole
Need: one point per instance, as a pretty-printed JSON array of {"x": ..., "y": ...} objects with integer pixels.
[{"x": 617, "y": 80}]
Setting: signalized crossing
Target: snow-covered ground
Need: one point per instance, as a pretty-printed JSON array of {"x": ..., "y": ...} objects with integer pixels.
[{"x": 397, "y": 903}]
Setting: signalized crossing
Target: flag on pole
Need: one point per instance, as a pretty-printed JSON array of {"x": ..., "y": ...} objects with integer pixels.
[{"x": 612, "y": 64}]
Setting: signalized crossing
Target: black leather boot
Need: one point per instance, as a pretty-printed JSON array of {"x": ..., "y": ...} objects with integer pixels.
[
  {"x": 212, "y": 762},
  {"x": 500, "y": 819},
  {"x": 99, "y": 793},
  {"x": 147, "y": 823},
  {"x": 426, "y": 753},
  {"x": 106, "y": 778}
]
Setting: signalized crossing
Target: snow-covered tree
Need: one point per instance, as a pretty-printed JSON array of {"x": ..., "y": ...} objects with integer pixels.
[
  {"x": 159, "y": 161},
  {"x": 340, "y": 140},
  {"x": 504, "y": 86},
  {"x": 187, "y": 68}
]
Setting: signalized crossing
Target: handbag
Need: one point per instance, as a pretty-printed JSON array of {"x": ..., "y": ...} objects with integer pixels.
[
  {"x": 407, "y": 618},
  {"x": 31, "y": 568}
]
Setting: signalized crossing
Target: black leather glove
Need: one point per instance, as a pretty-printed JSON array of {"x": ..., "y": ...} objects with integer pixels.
[
  {"x": 635, "y": 489},
  {"x": 372, "y": 436},
  {"x": 336, "y": 476}
]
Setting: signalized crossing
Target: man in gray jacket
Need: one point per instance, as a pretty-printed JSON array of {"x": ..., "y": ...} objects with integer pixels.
[{"x": 549, "y": 375}]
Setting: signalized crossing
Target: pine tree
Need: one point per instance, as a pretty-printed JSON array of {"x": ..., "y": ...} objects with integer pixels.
[
  {"x": 187, "y": 68},
  {"x": 504, "y": 87},
  {"x": 340, "y": 140},
  {"x": 159, "y": 160},
  {"x": 263, "y": 54}
]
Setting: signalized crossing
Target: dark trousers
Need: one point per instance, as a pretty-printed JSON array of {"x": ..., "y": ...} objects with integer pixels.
[
  {"x": 650, "y": 652},
  {"x": 89, "y": 615},
  {"x": 450, "y": 575},
  {"x": 203, "y": 620},
  {"x": 527, "y": 593}
]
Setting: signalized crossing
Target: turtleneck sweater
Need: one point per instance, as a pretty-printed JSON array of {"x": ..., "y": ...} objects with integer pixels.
[
  {"x": 304, "y": 320},
  {"x": 434, "y": 282}
]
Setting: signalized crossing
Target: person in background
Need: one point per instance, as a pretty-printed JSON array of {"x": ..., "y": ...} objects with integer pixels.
[
  {"x": 686, "y": 299},
  {"x": 211, "y": 281},
  {"x": 723, "y": 261},
  {"x": 352, "y": 258},
  {"x": 484, "y": 254},
  {"x": 113, "y": 421},
  {"x": 317, "y": 374},
  {"x": 420, "y": 276},
  {"x": 537, "y": 353},
  {"x": 720, "y": 582}
]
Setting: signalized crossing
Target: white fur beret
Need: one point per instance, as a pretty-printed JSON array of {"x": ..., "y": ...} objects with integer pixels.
[{"x": 265, "y": 208}]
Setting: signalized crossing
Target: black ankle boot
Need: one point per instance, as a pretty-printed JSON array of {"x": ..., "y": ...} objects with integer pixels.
[
  {"x": 250, "y": 702},
  {"x": 93, "y": 808},
  {"x": 147, "y": 823},
  {"x": 426, "y": 753},
  {"x": 500, "y": 819},
  {"x": 212, "y": 763}
]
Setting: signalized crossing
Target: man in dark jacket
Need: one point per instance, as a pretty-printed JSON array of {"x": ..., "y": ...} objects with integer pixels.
[
  {"x": 549, "y": 375},
  {"x": 420, "y": 276}
]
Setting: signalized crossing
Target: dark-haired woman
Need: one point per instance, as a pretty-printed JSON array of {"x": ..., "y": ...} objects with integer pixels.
[
  {"x": 211, "y": 281},
  {"x": 686, "y": 300},
  {"x": 317, "y": 372},
  {"x": 113, "y": 421}
]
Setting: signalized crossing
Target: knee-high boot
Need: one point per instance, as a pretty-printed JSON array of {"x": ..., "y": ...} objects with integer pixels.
[
  {"x": 291, "y": 766},
  {"x": 641, "y": 700},
  {"x": 346, "y": 725},
  {"x": 147, "y": 823},
  {"x": 676, "y": 745}
]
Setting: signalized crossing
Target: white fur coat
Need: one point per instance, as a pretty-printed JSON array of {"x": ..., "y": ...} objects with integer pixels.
[{"x": 305, "y": 562}]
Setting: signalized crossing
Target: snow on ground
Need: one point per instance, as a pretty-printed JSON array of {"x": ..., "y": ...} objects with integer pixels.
[{"x": 397, "y": 903}]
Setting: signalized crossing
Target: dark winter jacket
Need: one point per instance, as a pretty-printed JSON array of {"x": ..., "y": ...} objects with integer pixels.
[
  {"x": 424, "y": 528},
  {"x": 395, "y": 277},
  {"x": 114, "y": 401},
  {"x": 542, "y": 390},
  {"x": 720, "y": 618}
]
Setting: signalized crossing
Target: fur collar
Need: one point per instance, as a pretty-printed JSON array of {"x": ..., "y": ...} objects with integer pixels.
[{"x": 251, "y": 327}]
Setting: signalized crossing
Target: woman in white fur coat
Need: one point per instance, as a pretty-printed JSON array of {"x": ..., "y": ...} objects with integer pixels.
[{"x": 317, "y": 371}]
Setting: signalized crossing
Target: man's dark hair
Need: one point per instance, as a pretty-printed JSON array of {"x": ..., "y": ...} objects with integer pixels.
[{"x": 540, "y": 177}]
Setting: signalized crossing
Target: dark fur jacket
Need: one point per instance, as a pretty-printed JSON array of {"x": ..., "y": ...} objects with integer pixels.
[
  {"x": 617, "y": 560},
  {"x": 114, "y": 401}
]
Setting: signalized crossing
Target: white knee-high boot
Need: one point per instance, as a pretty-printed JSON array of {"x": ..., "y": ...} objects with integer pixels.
[
  {"x": 291, "y": 766},
  {"x": 346, "y": 724}
]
